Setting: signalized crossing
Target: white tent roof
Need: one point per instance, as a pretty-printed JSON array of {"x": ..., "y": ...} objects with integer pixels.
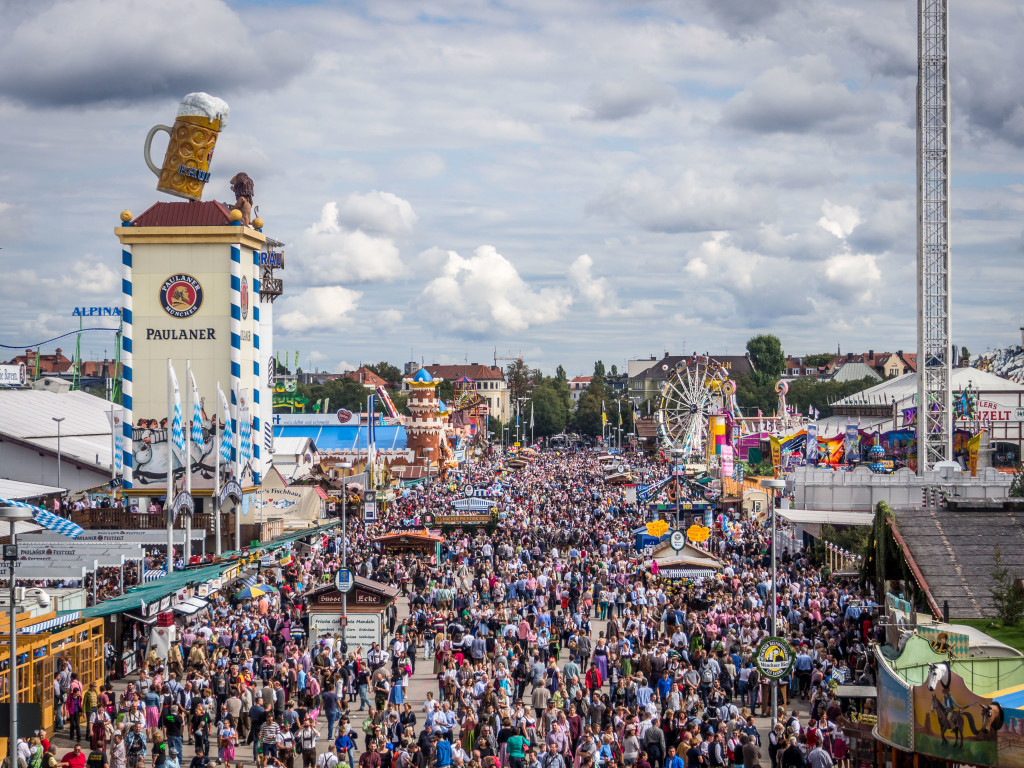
[
  {"x": 26, "y": 415},
  {"x": 16, "y": 491},
  {"x": 825, "y": 516},
  {"x": 904, "y": 387}
]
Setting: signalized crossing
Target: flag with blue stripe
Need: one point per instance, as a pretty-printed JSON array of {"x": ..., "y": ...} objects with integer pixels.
[
  {"x": 48, "y": 520},
  {"x": 197, "y": 414},
  {"x": 244, "y": 438},
  {"x": 177, "y": 431},
  {"x": 371, "y": 427},
  {"x": 227, "y": 436}
]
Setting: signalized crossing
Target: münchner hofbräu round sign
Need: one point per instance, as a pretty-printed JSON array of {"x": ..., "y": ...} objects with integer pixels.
[{"x": 774, "y": 657}]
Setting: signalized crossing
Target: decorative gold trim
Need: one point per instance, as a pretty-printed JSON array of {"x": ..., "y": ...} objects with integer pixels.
[{"x": 247, "y": 237}]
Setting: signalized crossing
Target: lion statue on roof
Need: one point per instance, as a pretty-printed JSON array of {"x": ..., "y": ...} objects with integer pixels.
[{"x": 242, "y": 186}]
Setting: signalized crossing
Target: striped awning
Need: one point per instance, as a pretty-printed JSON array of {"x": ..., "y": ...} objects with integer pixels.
[
  {"x": 248, "y": 581},
  {"x": 153, "y": 575},
  {"x": 46, "y": 626}
]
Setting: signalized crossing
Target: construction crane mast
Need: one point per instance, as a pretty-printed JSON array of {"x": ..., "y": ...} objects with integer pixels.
[{"x": 934, "y": 351}]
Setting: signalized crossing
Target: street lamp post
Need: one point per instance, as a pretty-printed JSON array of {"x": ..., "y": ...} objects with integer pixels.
[
  {"x": 14, "y": 515},
  {"x": 345, "y": 467},
  {"x": 772, "y": 486},
  {"x": 58, "y": 420}
]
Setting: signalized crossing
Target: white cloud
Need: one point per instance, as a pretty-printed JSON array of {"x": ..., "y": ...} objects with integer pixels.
[
  {"x": 798, "y": 97},
  {"x": 840, "y": 220},
  {"x": 689, "y": 202},
  {"x": 326, "y": 308},
  {"x": 627, "y": 97},
  {"x": 381, "y": 212},
  {"x": 853, "y": 275},
  {"x": 389, "y": 318},
  {"x": 125, "y": 50},
  {"x": 336, "y": 254},
  {"x": 484, "y": 294},
  {"x": 598, "y": 291}
]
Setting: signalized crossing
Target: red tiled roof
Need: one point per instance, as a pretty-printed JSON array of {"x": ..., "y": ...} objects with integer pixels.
[
  {"x": 184, "y": 214},
  {"x": 366, "y": 377},
  {"x": 453, "y": 372}
]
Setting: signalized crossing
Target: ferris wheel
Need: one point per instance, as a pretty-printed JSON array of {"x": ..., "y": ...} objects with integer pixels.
[{"x": 695, "y": 389}]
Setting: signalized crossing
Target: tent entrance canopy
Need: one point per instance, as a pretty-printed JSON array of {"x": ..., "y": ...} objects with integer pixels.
[{"x": 191, "y": 606}]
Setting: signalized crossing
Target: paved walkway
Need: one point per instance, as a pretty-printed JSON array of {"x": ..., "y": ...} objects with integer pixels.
[{"x": 422, "y": 681}]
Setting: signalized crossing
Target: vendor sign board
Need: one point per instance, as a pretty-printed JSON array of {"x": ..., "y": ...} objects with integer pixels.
[
  {"x": 362, "y": 630},
  {"x": 774, "y": 657}
]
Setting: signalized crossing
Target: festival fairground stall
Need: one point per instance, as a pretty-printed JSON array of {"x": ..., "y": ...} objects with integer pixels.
[
  {"x": 44, "y": 641},
  {"x": 949, "y": 697}
]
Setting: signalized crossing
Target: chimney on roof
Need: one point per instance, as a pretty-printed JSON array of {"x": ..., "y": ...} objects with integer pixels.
[
  {"x": 871, "y": 353},
  {"x": 58, "y": 352},
  {"x": 849, "y": 355},
  {"x": 666, "y": 354},
  {"x": 899, "y": 352}
]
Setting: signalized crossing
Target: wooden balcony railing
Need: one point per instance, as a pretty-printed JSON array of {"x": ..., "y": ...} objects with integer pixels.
[{"x": 123, "y": 519}]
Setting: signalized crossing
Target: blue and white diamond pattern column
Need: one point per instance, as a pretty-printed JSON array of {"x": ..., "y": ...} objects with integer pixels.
[
  {"x": 236, "y": 330},
  {"x": 257, "y": 384},
  {"x": 126, "y": 365}
]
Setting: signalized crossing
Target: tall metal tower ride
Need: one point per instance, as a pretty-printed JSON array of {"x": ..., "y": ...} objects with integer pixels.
[{"x": 934, "y": 353}]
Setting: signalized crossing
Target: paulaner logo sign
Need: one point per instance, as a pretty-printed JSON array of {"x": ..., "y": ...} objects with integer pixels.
[{"x": 181, "y": 296}]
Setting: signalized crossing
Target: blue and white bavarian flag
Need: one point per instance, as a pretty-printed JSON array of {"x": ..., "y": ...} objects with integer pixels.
[
  {"x": 227, "y": 436},
  {"x": 177, "y": 430},
  {"x": 197, "y": 413},
  {"x": 48, "y": 520}
]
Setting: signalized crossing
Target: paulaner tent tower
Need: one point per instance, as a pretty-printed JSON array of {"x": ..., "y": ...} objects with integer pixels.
[{"x": 934, "y": 394}]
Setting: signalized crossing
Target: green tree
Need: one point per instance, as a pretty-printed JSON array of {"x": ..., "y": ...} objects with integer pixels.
[
  {"x": 615, "y": 371},
  {"x": 390, "y": 373},
  {"x": 1006, "y": 591},
  {"x": 446, "y": 392},
  {"x": 343, "y": 393},
  {"x": 599, "y": 369},
  {"x": 1017, "y": 484},
  {"x": 766, "y": 356},
  {"x": 588, "y": 413},
  {"x": 561, "y": 385},
  {"x": 548, "y": 409},
  {"x": 517, "y": 377},
  {"x": 817, "y": 360},
  {"x": 755, "y": 393}
]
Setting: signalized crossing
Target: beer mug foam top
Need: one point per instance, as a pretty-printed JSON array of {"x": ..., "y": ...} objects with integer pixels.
[{"x": 186, "y": 166}]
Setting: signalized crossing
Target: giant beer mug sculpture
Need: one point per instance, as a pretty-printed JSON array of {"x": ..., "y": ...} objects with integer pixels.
[{"x": 186, "y": 166}]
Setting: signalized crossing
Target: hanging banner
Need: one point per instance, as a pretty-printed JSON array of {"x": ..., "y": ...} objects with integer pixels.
[
  {"x": 776, "y": 453},
  {"x": 812, "y": 444},
  {"x": 727, "y": 463},
  {"x": 852, "y": 443}
]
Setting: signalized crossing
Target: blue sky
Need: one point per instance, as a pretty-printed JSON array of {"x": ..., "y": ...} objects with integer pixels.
[{"x": 573, "y": 179}]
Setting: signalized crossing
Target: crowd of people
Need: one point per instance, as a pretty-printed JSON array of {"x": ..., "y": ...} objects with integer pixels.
[{"x": 549, "y": 642}]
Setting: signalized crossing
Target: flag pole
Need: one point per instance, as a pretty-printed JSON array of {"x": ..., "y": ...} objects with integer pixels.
[
  {"x": 190, "y": 386},
  {"x": 234, "y": 474},
  {"x": 168, "y": 514},
  {"x": 216, "y": 478}
]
